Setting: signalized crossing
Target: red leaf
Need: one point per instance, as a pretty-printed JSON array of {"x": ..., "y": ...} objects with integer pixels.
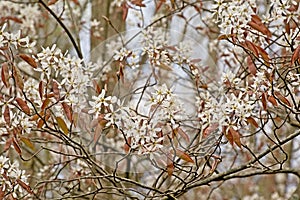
[
  {"x": 23, "y": 105},
  {"x": 29, "y": 60}
]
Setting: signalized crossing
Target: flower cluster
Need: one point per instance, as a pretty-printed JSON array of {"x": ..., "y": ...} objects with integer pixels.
[
  {"x": 26, "y": 15},
  {"x": 8, "y": 39},
  {"x": 13, "y": 181}
]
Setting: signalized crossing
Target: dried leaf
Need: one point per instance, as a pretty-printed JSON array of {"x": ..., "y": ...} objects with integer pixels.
[
  {"x": 5, "y": 74},
  {"x": 23, "y": 105},
  {"x": 184, "y": 156},
  {"x": 62, "y": 125},
  {"x": 29, "y": 60},
  {"x": 27, "y": 142},
  {"x": 16, "y": 146}
]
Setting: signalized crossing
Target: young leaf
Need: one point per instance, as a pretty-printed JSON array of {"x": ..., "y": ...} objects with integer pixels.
[
  {"x": 282, "y": 98},
  {"x": 55, "y": 90},
  {"x": 264, "y": 101},
  {"x": 5, "y": 74},
  {"x": 25, "y": 186},
  {"x": 236, "y": 137},
  {"x": 18, "y": 78},
  {"x": 6, "y": 115},
  {"x": 62, "y": 125},
  {"x": 29, "y": 60},
  {"x": 16, "y": 146},
  {"x": 45, "y": 103},
  {"x": 251, "y": 66},
  {"x": 183, "y": 134},
  {"x": 68, "y": 111},
  {"x": 127, "y": 145},
  {"x": 295, "y": 55},
  {"x": 27, "y": 142},
  {"x": 170, "y": 165},
  {"x": 41, "y": 89},
  {"x": 252, "y": 121},
  {"x": 272, "y": 100},
  {"x": 184, "y": 156},
  {"x": 23, "y": 105}
]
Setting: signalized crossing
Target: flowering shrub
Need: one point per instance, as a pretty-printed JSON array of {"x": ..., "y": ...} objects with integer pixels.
[{"x": 200, "y": 96}]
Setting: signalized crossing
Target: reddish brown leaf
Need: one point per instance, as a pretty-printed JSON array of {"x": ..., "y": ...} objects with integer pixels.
[
  {"x": 236, "y": 137},
  {"x": 257, "y": 24},
  {"x": 55, "y": 90},
  {"x": 41, "y": 89},
  {"x": 282, "y": 98},
  {"x": 170, "y": 165},
  {"x": 295, "y": 55},
  {"x": 184, "y": 156},
  {"x": 125, "y": 10},
  {"x": 45, "y": 103},
  {"x": 183, "y": 134},
  {"x": 5, "y": 74},
  {"x": 40, "y": 123},
  {"x": 18, "y": 78},
  {"x": 51, "y": 2},
  {"x": 7, "y": 144},
  {"x": 29, "y": 60},
  {"x": 16, "y": 146},
  {"x": 25, "y": 186},
  {"x": 252, "y": 47},
  {"x": 264, "y": 101},
  {"x": 6, "y": 115},
  {"x": 251, "y": 66},
  {"x": 138, "y": 3},
  {"x": 23, "y": 105},
  {"x": 252, "y": 121},
  {"x": 272, "y": 100},
  {"x": 127, "y": 145},
  {"x": 211, "y": 128},
  {"x": 97, "y": 87},
  {"x": 68, "y": 111}
]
